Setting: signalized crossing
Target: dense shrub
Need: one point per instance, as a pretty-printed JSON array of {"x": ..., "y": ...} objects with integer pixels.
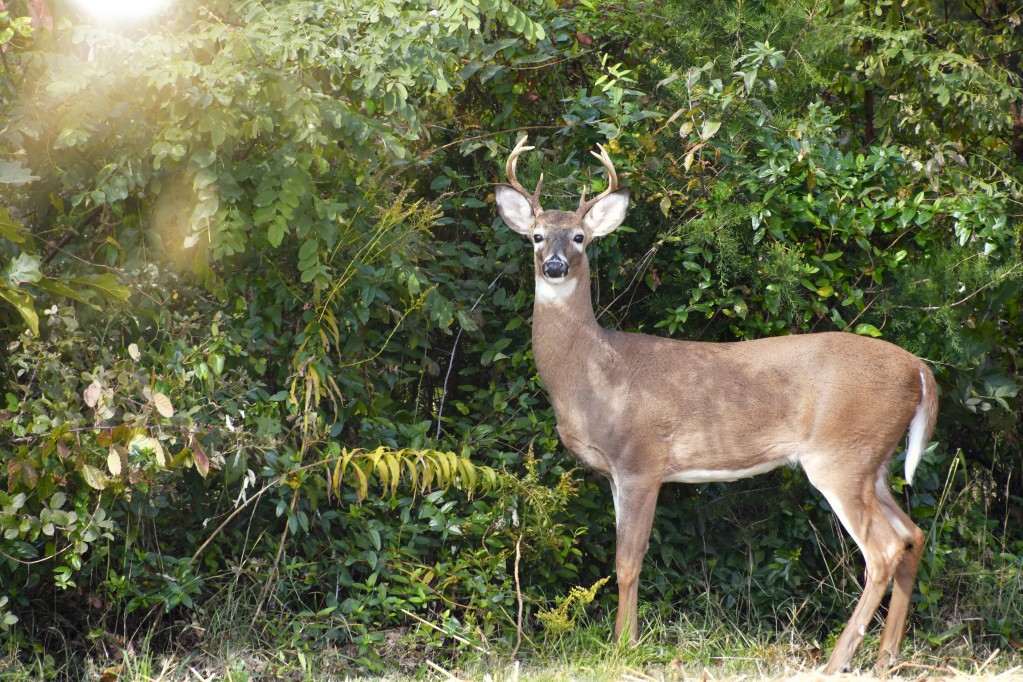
[{"x": 267, "y": 361}]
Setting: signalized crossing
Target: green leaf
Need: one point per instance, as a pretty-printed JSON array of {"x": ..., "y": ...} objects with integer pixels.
[
  {"x": 308, "y": 249},
  {"x": 64, "y": 291},
  {"x": 94, "y": 477},
  {"x": 202, "y": 158},
  {"x": 23, "y": 303},
  {"x": 275, "y": 233},
  {"x": 24, "y": 268},
  {"x": 106, "y": 284},
  {"x": 13, "y": 173},
  {"x": 749, "y": 79},
  {"x": 147, "y": 446},
  {"x": 10, "y": 229},
  {"x": 709, "y": 129},
  {"x": 864, "y": 329}
]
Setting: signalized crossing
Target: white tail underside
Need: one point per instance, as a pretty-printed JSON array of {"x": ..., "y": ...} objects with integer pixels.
[{"x": 917, "y": 433}]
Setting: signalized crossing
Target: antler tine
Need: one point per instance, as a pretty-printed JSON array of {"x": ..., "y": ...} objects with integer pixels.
[
  {"x": 612, "y": 182},
  {"x": 509, "y": 170}
]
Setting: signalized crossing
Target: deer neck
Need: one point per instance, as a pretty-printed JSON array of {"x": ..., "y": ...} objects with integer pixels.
[{"x": 565, "y": 331}]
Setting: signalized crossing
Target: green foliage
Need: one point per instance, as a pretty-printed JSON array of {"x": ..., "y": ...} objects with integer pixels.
[
  {"x": 562, "y": 618},
  {"x": 267, "y": 344}
]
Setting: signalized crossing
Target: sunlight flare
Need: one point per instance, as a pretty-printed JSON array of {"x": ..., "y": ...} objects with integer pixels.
[{"x": 121, "y": 12}]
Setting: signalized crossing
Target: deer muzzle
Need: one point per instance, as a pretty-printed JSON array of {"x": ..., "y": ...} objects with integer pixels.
[{"x": 555, "y": 268}]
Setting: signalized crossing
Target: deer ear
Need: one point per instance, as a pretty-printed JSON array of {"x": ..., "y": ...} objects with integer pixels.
[
  {"x": 514, "y": 209},
  {"x": 607, "y": 214}
]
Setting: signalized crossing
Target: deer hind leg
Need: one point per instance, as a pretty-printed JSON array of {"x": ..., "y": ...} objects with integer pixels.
[
  {"x": 854, "y": 501},
  {"x": 634, "y": 515},
  {"x": 905, "y": 573}
]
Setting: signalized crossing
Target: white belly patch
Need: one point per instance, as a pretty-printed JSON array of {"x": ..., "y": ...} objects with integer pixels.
[{"x": 711, "y": 475}]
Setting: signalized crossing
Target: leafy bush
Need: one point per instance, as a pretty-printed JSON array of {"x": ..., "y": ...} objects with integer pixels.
[{"x": 267, "y": 344}]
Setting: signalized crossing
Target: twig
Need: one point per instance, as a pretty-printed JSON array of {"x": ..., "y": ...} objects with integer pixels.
[
  {"x": 277, "y": 562},
  {"x": 481, "y": 136},
  {"x": 1010, "y": 673},
  {"x": 89, "y": 218},
  {"x": 909, "y": 664},
  {"x": 988, "y": 285},
  {"x": 447, "y": 674},
  {"x": 986, "y": 662},
  {"x": 451, "y": 361},
  {"x": 58, "y": 247},
  {"x": 518, "y": 597},
  {"x": 867, "y": 307},
  {"x": 236, "y": 512},
  {"x": 811, "y": 15},
  {"x": 641, "y": 267},
  {"x": 555, "y": 62}
]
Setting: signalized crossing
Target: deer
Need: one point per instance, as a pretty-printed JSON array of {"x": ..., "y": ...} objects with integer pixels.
[{"x": 643, "y": 410}]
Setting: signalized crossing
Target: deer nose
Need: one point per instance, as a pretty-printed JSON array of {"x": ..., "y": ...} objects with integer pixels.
[{"x": 555, "y": 268}]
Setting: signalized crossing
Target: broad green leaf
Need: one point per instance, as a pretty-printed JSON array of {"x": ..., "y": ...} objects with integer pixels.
[
  {"x": 308, "y": 249},
  {"x": 23, "y": 303},
  {"x": 24, "y": 268},
  {"x": 62, "y": 291},
  {"x": 275, "y": 233},
  {"x": 13, "y": 173},
  {"x": 709, "y": 130},
  {"x": 864, "y": 329},
  {"x": 749, "y": 79},
  {"x": 94, "y": 477},
  {"x": 201, "y": 158},
  {"x": 106, "y": 284},
  {"x": 114, "y": 461},
  {"x": 163, "y": 405},
  {"x": 9, "y": 229},
  {"x": 147, "y": 446}
]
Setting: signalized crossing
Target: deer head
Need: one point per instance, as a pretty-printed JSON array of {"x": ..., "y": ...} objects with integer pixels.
[{"x": 560, "y": 238}]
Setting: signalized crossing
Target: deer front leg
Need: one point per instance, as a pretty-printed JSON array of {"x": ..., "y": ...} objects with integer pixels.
[{"x": 635, "y": 503}]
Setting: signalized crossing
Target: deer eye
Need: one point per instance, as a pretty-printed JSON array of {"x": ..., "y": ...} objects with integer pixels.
[
  {"x": 578, "y": 239},
  {"x": 537, "y": 238}
]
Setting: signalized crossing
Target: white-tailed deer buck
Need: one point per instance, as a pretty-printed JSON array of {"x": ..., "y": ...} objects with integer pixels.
[{"x": 643, "y": 410}]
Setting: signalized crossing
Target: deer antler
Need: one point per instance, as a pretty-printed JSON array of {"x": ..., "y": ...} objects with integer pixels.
[
  {"x": 612, "y": 182},
  {"x": 509, "y": 170}
]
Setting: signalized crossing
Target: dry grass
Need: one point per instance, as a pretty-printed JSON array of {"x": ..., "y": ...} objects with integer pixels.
[{"x": 599, "y": 666}]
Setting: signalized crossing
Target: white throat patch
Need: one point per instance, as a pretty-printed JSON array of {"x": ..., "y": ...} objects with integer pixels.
[{"x": 554, "y": 292}]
